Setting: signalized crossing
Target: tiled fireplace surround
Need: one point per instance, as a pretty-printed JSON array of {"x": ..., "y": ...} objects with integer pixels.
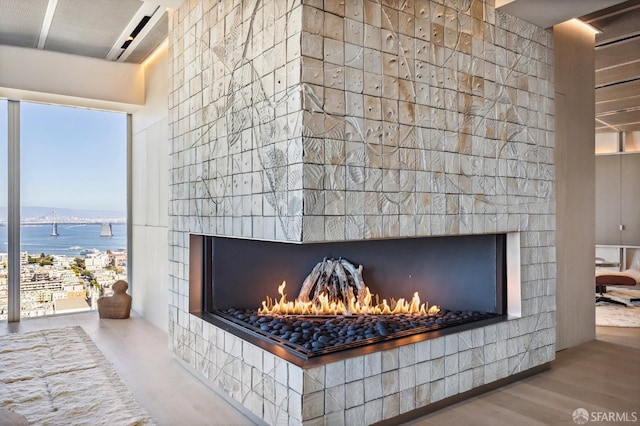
[{"x": 304, "y": 121}]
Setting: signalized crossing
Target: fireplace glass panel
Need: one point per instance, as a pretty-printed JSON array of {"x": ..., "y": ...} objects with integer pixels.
[{"x": 458, "y": 272}]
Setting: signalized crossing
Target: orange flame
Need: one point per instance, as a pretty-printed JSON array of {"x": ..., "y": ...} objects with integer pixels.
[{"x": 324, "y": 307}]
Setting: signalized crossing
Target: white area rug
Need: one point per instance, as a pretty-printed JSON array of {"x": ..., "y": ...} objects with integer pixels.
[
  {"x": 60, "y": 377},
  {"x": 610, "y": 315}
]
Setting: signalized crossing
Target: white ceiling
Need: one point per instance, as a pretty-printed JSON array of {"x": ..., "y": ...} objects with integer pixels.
[
  {"x": 99, "y": 28},
  {"x": 547, "y": 13},
  {"x": 617, "y": 55},
  {"x": 94, "y": 28}
]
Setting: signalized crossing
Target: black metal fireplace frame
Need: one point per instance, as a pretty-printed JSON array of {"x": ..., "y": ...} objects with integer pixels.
[{"x": 201, "y": 304}]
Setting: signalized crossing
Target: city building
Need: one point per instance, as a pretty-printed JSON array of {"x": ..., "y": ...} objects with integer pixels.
[{"x": 308, "y": 122}]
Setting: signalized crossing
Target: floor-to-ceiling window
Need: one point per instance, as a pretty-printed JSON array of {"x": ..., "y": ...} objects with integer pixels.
[{"x": 72, "y": 202}]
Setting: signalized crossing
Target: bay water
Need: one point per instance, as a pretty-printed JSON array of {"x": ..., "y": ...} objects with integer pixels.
[{"x": 72, "y": 239}]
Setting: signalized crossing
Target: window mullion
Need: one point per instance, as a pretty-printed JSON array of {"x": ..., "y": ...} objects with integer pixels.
[{"x": 13, "y": 219}]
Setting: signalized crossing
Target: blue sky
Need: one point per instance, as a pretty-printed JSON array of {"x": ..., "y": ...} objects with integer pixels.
[{"x": 69, "y": 157}]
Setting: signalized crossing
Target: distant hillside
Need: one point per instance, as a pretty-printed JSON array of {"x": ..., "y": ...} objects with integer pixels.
[{"x": 45, "y": 215}]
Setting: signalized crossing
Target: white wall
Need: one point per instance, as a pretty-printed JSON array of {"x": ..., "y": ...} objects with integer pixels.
[{"x": 150, "y": 182}]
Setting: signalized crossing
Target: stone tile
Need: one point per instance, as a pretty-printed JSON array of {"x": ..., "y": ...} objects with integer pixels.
[
  {"x": 252, "y": 355},
  {"x": 372, "y": 364},
  {"x": 312, "y": 46},
  {"x": 423, "y": 351},
  {"x": 389, "y": 382},
  {"x": 423, "y": 394},
  {"x": 336, "y": 418},
  {"x": 451, "y": 364},
  {"x": 490, "y": 334},
  {"x": 407, "y": 400},
  {"x": 390, "y": 359},
  {"x": 465, "y": 340},
  {"x": 295, "y": 405},
  {"x": 318, "y": 421},
  {"x": 501, "y": 349},
  {"x": 372, "y": 387},
  {"x": 391, "y": 406},
  {"x": 255, "y": 403},
  {"x": 451, "y": 385},
  {"x": 354, "y": 10},
  {"x": 333, "y": 27},
  {"x": 373, "y": 411},
  {"x": 354, "y": 394},
  {"x": 490, "y": 372},
  {"x": 334, "y": 51},
  {"x": 477, "y": 337},
  {"x": 355, "y": 416},
  {"x": 314, "y": 379},
  {"x": 437, "y": 390},
  {"x": 407, "y": 377},
  {"x": 451, "y": 344},
  {"x": 406, "y": 356},
  {"x": 312, "y": 20},
  {"x": 354, "y": 32},
  {"x": 437, "y": 368},
  {"x": 437, "y": 348},
  {"x": 354, "y": 369},
  {"x": 335, "y": 8},
  {"x": 465, "y": 380},
  {"x": 502, "y": 368},
  {"x": 313, "y": 405},
  {"x": 490, "y": 352},
  {"x": 335, "y": 374},
  {"x": 423, "y": 372},
  {"x": 465, "y": 360},
  {"x": 295, "y": 378},
  {"x": 334, "y": 399}
]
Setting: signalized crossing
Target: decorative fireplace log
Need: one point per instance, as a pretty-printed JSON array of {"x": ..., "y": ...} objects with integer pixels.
[{"x": 339, "y": 279}]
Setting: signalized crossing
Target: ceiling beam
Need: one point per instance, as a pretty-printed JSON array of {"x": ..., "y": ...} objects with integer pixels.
[
  {"x": 547, "y": 13},
  {"x": 146, "y": 9},
  {"x": 617, "y": 91},
  {"x": 173, "y": 4},
  {"x": 604, "y": 124},
  {"x": 46, "y": 23},
  {"x": 617, "y": 105},
  {"x": 617, "y": 74},
  {"x": 142, "y": 34},
  {"x": 619, "y": 53}
]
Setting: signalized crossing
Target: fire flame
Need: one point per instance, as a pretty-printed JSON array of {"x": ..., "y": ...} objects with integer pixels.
[{"x": 324, "y": 307}]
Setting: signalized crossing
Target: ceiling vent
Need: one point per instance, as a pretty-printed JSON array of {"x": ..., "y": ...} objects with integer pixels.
[{"x": 136, "y": 31}]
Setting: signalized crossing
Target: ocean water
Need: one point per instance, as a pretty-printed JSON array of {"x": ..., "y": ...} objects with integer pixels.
[{"x": 71, "y": 239}]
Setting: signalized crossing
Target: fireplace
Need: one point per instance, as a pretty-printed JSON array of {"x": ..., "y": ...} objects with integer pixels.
[
  {"x": 462, "y": 278},
  {"x": 365, "y": 131}
]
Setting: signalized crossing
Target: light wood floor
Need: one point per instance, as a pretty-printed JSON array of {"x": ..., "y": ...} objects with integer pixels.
[
  {"x": 602, "y": 375},
  {"x": 139, "y": 353}
]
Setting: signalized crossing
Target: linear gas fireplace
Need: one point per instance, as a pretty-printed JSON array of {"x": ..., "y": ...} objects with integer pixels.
[
  {"x": 306, "y": 301},
  {"x": 362, "y": 204}
]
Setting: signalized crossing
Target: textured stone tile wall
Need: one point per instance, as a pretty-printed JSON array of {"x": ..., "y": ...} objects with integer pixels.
[
  {"x": 363, "y": 120},
  {"x": 423, "y": 118}
]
